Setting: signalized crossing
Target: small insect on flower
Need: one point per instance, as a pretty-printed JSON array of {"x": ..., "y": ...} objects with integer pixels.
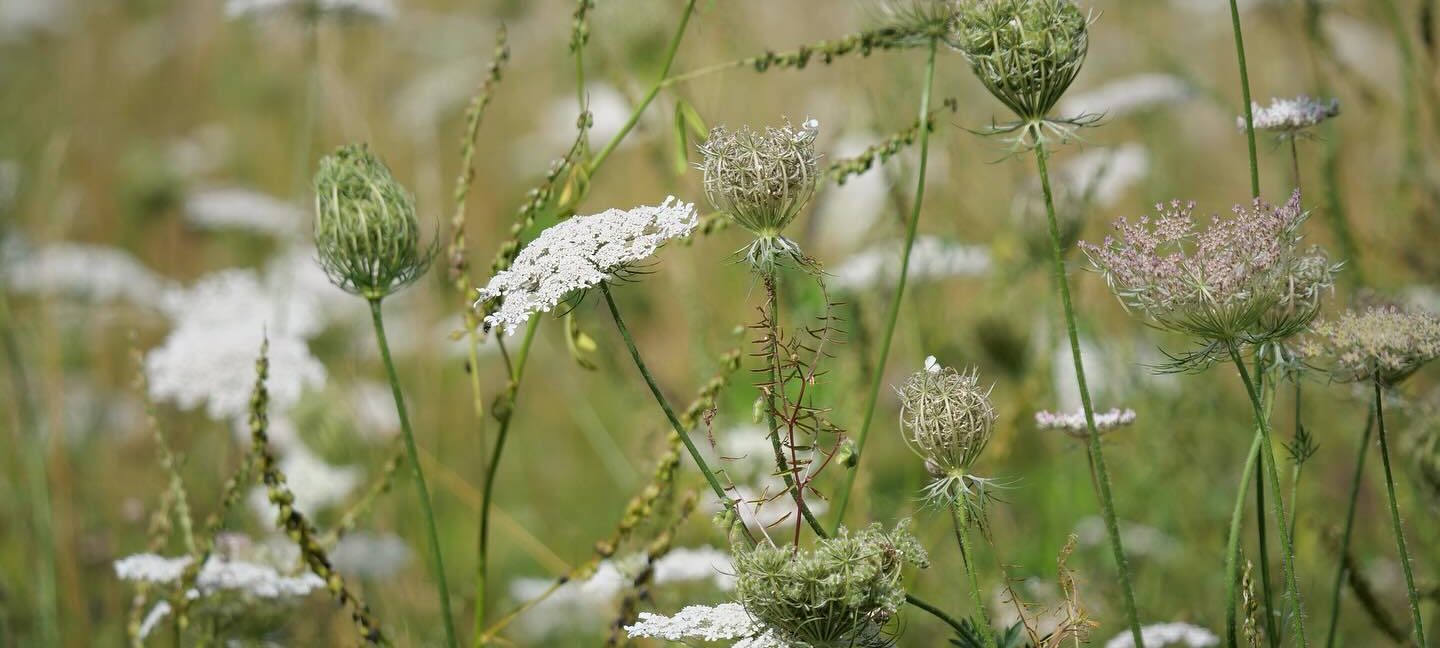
[
  {"x": 366, "y": 231},
  {"x": 580, "y": 253},
  {"x": 947, "y": 419},
  {"x": 1026, "y": 53},
  {"x": 1243, "y": 279},
  {"x": 1382, "y": 343},
  {"x": 762, "y": 180},
  {"x": 1290, "y": 117}
]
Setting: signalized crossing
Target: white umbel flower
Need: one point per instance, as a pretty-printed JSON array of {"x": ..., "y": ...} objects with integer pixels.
[
  {"x": 1175, "y": 635},
  {"x": 931, "y": 258},
  {"x": 579, "y": 253},
  {"x": 151, "y": 568},
  {"x": 727, "y": 621},
  {"x": 232, "y": 208},
  {"x": 93, "y": 272},
  {"x": 1128, "y": 95},
  {"x": 376, "y": 9},
  {"x": 218, "y": 575},
  {"x": 1073, "y": 423},
  {"x": 1290, "y": 116}
]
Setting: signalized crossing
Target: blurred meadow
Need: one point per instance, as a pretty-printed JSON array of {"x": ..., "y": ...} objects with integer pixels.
[{"x": 156, "y": 216}]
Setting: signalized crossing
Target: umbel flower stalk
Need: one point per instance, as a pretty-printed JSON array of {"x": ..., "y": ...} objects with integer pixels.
[
  {"x": 369, "y": 244},
  {"x": 1026, "y": 53},
  {"x": 1382, "y": 346}
]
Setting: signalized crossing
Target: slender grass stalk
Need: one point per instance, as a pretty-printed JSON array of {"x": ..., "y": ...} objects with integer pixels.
[
  {"x": 1093, "y": 449},
  {"x": 960, "y": 517},
  {"x": 1267, "y": 396},
  {"x": 506, "y": 414},
  {"x": 1232, "y": 550},
  {"x": 1295, "y": 162},
  {"x": 1245, "y": 96},
  {"x": 700, "y": 462},
  {"x": 1292, "y": 585},
  {"x": 843, "y": 498},
  {"x": 37, "y": 478},
  {"x": 310, "y": 103},
  {"x": 1349, "y": 525},
  {"x": 437, "y": 563},
  {"x": 1419, "y": 630}
]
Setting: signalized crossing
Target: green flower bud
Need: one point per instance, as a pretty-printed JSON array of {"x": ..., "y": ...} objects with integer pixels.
[
  {"x": 366, "y": 230},
  {"x": 1026, "y": 52}
]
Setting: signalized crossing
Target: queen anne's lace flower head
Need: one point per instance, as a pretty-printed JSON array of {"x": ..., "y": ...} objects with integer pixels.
[
  {"x": 375, "y": 9},
  {"x": 1224, "y": 283},
  {"x": 762, "y": 180},
  {"x": 724, "y": 622},
  {"x": 579, "y": 253},
  {"x": 1073, "y": 423},
  {"x": 1290, "y": 116},
  {"x": 947, "y": 419},
  {"x": 1173, "y": 635},
  {"x": 366, "y": 232},
  {"x": 1382, "y": 343},
  {"x": 843, "y": 592}
]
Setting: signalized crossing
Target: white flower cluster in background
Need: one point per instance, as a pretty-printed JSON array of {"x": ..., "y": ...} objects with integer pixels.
[
  {"x": 579, "y": 253},
  {"x": 1128, "y": 95},
  {"x": 218, "y": 575},
  {"x": 1285, "y": 115},
  {"x": 1139, "y": 539},
  {"x": 230, "y": 208},
  {"x": 1101, "y": 175},
  {"x": 579, "y": 602},
  {"x": 1160, "y": 635},
  {"x": 1073, "y": 423},
  {"x": 727, "y": 621},
  {"x": 76, "y": 270},
  {"x": 377, "y": 9},
  {"x": 931, "y": 258},
  {"x": 219, "y": 323}
]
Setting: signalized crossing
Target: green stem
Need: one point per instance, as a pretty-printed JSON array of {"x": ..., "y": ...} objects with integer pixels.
[
  {"x": 1096, "y": 455},
  {"x": 960, "y": 518},
  {"x": 310, "y": 106},
  {"x": 1395, "y": 519},
  {"x": 843, "y": 498},
  {"x": 772, "y": 358},
  {"x": 675, "y": 424},
  {"x": 506, "y": 413},
  {"x": 649, "y": 95},
  {"x": 1292, "y": 585},
  {"x": 436, "y": 562},
  {"x": 1263, "y": 544},
  {"x": 1232, "y": 552},
  {"x": 1349, "y": 525},
  {"x": 37, "y": 476},
  {"x": 1245, "y": 96}
]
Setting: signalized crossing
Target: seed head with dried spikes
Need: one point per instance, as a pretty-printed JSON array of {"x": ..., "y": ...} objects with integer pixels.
[{"x": 762, "y": 180}]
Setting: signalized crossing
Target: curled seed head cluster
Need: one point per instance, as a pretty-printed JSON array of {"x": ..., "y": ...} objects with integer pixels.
[
  {"x": 947, "y": 417},
  {"x": 1382, "y": 343},
  {"x": 1243, "y": 278},
  {"x": 842, "y": 593},
  {"x": 761, "y": 180},
  {"x": 1026, "y": 52},
  {"x": 1290, "y": 116},
  {"x": 366, "y": 231}
]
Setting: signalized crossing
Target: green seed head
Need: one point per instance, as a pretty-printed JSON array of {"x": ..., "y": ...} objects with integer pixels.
[
  {"x": 1026, "y": 52},
  {"x": 366, "y": 231},
  {"x": 946, "y": 418},
  {"x": 761, "y": 179},
  {"x": 842, "y": 593}
]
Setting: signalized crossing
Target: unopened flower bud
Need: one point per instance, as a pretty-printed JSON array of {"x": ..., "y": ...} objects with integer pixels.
[{"x": 366, "y": 230}]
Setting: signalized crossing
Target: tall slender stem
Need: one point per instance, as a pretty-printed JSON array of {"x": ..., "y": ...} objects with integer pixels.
[
  {"x": 506, "y": 414},
  {"x": 959, "y": 516},
  {"x": 1245, "y": 96},
  {"x": 1292, "y": 584},
  {"x": 1395, "y": 519},
  {"x": 37, "y": 478},
  {"x": 1261, "y": 538},
  {"x": 1096, "y": 455},
  {"x": 1232, "y": 551},
  {"x": 843, "y": 499},
  {"x": 772, "y": 360},
  {"x": 436, "y": 562},
  {"x": 1294, "y": 162},
  {"x": 1349, "y": 525},
  {"x": 310, "y": 106}
]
